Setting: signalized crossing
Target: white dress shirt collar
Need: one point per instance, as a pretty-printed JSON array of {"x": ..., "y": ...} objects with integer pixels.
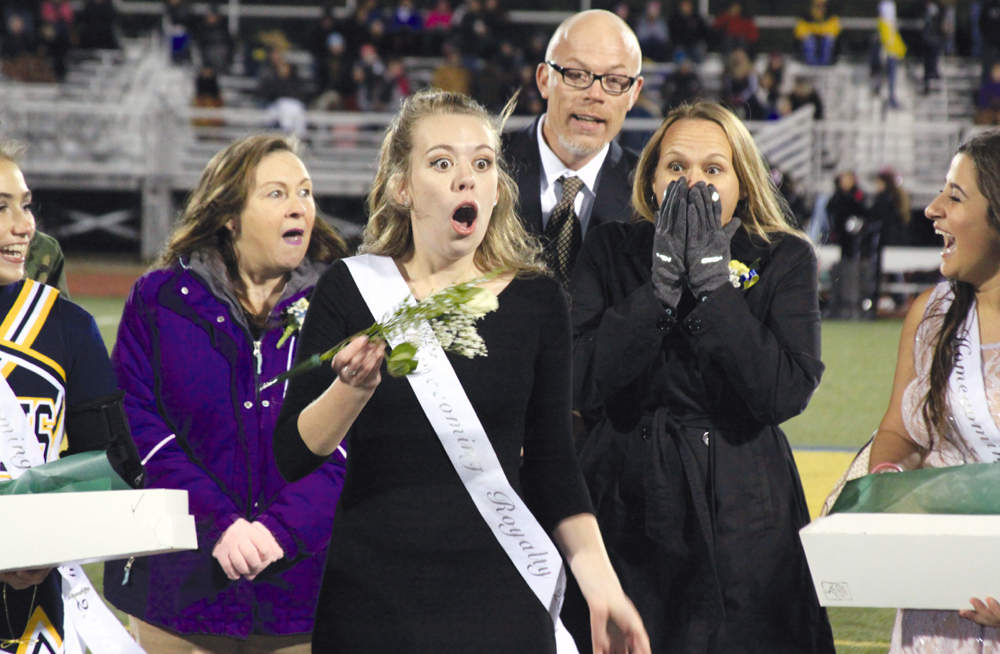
[{"x": 553, "y": 168}]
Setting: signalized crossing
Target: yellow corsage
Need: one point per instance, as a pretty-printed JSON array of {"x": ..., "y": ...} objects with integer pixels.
[{"x": 742, "y": 275}]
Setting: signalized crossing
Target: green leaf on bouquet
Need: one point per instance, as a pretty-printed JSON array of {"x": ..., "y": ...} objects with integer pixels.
[{"x": 403, "y": 360}]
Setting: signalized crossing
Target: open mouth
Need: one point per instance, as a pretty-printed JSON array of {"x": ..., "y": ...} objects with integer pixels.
[
  {"x": 464, "y": 219},
  {"x": 293, "y": 236},
  {"x": 588, "y": 120},
  {"x": 949, "y": 242},
  {"x": 14, "y": 253}
]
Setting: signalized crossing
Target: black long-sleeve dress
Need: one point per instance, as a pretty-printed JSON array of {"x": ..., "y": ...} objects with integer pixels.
[
  {"x": 412, "y": 565},
  {"x": 694, "y": 485}
]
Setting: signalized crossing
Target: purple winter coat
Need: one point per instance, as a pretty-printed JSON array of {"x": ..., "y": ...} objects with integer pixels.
[{"x": 187, "y": 363}]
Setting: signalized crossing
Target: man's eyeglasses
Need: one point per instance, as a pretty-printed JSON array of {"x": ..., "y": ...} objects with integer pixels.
[{"x": 583, "y": 79}]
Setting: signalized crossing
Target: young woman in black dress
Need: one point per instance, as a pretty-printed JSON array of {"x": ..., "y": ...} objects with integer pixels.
[
  {"x": 413, "y": 566},
  {"x": 697, "y": 332}
]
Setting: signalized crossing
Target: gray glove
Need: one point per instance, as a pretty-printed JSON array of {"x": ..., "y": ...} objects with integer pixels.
[
  {"x": 669, "y": 242},
  {"x": 707, "y": 252}
]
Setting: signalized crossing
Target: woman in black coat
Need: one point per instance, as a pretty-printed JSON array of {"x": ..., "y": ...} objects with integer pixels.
[
  {"x": 851, "y": 225},
  {"x": 696, "y": 335}
]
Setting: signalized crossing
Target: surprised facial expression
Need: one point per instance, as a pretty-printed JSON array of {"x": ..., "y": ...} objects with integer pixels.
[
  {"x": 453, "y": 185},
  {"x": 699, "y": 151},
  {"x": 273, "y": 231},
  {"x": 580, "y": 122}
]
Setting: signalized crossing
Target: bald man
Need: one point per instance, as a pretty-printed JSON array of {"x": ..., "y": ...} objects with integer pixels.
[{"x": 590, "y": 78}]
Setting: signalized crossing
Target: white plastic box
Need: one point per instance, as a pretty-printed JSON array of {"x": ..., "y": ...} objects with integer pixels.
[
  {"x": 50, "y": 529},
  {"x": 898, "y": 560}
]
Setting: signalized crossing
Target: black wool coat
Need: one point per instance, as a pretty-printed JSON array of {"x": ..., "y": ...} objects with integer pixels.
[
  {"x": 693, "y": 483},
  {"x": 614, "y": 182}
]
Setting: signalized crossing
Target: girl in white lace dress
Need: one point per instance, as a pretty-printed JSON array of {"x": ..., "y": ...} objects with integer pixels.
[{"x": 947, "y": 384}]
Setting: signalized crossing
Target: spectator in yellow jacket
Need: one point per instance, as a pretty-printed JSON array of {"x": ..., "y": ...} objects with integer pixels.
[
  {"x": 888, "y": 50},
  {"x": 818, "y": 34}
]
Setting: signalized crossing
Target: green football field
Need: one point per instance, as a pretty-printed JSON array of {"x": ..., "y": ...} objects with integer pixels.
[{"x": 860, "y": 359}]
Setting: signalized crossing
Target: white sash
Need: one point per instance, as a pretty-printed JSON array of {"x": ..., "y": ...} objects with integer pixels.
[
  {"x": 19, "y": 448},
  {"x": 454, "y": 419},
  {"x": 86, "y": 615},
  {"x": 967, "y": 393}
]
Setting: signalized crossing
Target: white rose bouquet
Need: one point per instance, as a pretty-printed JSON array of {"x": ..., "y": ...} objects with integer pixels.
[{"x": 451, "y": 313}]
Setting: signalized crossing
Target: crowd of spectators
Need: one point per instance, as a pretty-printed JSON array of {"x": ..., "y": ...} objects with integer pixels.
[
  {"x": 685, "y": 33},
  {"x": 986, "y": 43},
  {"x": 481, "y": 53},
  {"x": 769, "y": 93},
  {"x": 37, "y": 35},
  {"x": 862, "y": 225},
  {"x": 358, "y": 60}
]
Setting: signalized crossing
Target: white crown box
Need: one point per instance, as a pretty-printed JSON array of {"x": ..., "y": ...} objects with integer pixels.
[
  {"x": 901, "y": 560},
  {"x": 50, "y": 529}
]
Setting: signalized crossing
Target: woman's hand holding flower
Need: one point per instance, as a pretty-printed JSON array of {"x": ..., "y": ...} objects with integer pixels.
[
  {"x": 358, "y": 365},
  {"x": 707, "y": 253},
  {"x": 246, "y": 549},
  {"x": 669, "y": 242}
]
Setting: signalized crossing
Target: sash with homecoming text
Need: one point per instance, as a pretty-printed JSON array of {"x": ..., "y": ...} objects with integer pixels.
[
  {"x": 967, "y": 393},
  {"x": 451, "y": 414}
]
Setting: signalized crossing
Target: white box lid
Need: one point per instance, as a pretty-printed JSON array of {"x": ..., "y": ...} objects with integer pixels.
[
  {"x": 49, "y": 529},
  {"x": 898, "y": 560}
]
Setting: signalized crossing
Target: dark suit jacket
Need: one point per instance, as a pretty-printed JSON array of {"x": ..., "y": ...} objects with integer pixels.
[
  {"x": 693, "y": 483},
  {"x": 614, "y": 184}
]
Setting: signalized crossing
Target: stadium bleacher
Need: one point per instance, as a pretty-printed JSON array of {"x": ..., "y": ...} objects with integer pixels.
[{"x": 122, "y": 120}]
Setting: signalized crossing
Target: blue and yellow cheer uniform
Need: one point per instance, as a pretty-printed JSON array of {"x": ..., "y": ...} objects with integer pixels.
[{"x": 53, "y": 357}]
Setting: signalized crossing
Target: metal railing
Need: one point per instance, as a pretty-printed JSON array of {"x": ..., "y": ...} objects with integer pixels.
[
  {"x": 236, "y": 10},
  {"x": 157, "y": 149},
  {"x": 129, "y": 127}
]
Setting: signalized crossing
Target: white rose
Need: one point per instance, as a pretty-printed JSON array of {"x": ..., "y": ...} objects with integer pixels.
[{"x": 481, "y": 303}]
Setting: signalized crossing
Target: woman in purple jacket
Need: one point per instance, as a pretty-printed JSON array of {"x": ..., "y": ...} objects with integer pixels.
[{"x": 198, "y": 335}]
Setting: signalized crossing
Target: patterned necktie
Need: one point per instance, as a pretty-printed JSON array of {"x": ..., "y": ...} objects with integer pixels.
[{"x": 563, "y": 233}]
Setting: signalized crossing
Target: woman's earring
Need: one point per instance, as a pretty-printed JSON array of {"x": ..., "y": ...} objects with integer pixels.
[{"x": 741, "y": 208}]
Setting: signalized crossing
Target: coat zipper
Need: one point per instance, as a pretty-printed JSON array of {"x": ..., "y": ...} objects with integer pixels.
[
  {"x": 260, "y": 360},
  {"x": 259, "y": 357}
]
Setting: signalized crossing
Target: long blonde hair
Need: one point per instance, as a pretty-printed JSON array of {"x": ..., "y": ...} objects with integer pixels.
[
  {"x": 507, "y": 245},
  {"x": 763, "y": 212}
]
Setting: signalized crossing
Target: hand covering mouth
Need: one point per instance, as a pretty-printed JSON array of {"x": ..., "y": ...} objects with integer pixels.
[{"x": 464, "y": 219}]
